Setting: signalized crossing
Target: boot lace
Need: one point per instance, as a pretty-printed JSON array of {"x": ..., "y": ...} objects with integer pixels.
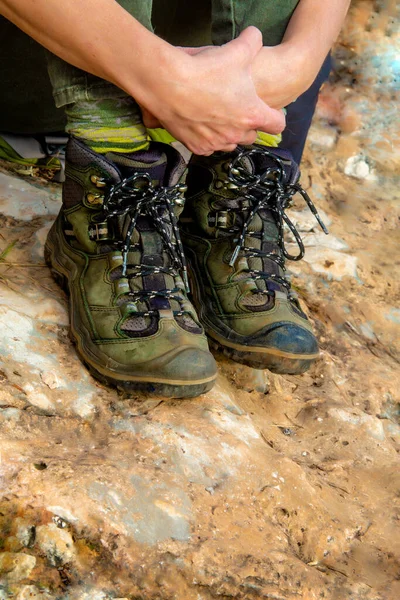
[
  {"x": 267, "y": 190},
  {"x": 136, "y": 196}
]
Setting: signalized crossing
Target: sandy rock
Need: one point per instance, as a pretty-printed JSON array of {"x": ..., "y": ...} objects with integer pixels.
[
  {"x": 24, "y": 531},
  {"x": 333, "y": 264},
  {"x": 57, "y": 544},
  {"x": 305, "y": 221},
  {"x": 12, "y": 544},
  {"x": 16, "y": 566},
  {"x": 320, "y": 239},
  {"x": 38, "y": 399},
  {"x": 323, "y": 137},
  {"x": 52, "y": 380},
  {"x": 246, "y": 378},
  {"x": 62, "y": 513},
  {"x": 269, "y": 486},
  {"x": 21, "y": 200},
  {"x": 35, "y": 305},
  {"x": 372, "y": 425},
  {"x": 31, "y": 592}
]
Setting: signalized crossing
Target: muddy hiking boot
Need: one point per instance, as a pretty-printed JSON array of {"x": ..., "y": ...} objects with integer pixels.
[
  {"x": 115, "y": 247},
  {"x": 232, "y": 228}
]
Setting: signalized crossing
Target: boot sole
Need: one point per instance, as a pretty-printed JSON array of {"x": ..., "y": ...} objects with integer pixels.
[
  {"x": 134, "y": 383},
  {"x": 259, "y": 358},
  {"x": 276, "y": 361}
]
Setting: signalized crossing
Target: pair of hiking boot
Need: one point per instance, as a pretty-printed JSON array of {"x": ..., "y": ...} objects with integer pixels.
[{"x": 135, "y": 229}]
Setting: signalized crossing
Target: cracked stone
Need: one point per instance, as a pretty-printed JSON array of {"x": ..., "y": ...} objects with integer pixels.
[
  {"x": 57, "y": 544},
  {"x": 16, "y": 566}
]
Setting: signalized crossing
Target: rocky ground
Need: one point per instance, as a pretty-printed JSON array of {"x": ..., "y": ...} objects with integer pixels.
[{"x": 269, "y": 486}]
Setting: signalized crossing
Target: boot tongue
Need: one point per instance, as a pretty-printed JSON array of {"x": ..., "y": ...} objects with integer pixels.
[
  {"x": 150, "y": 249},
  {"x": 150, "y": 162},
  {"x": 261, "y": 161},
  {"x": 258, "y": 164},
  {"x": 264, "y": 223},
  {"x": 153, "y": 164}
]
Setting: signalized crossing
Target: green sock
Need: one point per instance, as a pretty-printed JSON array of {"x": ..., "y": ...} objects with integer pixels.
[{"x": 110, "y": 125}]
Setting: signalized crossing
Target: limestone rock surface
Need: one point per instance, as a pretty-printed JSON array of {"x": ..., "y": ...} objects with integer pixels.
[{"x": 275, "y": 487}]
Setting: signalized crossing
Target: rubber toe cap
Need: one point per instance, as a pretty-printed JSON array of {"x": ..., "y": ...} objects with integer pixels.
[{"x": 291, "y": 339}]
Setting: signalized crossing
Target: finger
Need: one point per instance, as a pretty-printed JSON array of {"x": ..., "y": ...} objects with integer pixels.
[
  {"x": 227, "y": 148},
  {"x": 149, "y": 120},
  {"x": 270, "y": 120},
  {"x": 249, "y": 138}
]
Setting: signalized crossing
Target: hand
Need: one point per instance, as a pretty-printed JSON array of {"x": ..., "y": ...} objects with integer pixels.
[
  {"x": 208, "y": 100},
  {"x": 149, "y": 120}
]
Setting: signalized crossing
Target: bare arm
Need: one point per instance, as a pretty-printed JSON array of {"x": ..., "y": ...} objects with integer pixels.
[
  {"x": 207, "y": 101},
  {"x": 283, "y": 72}
]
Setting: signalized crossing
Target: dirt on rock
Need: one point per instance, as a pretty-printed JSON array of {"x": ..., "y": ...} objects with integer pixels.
[{"x": 278, "y": 487}]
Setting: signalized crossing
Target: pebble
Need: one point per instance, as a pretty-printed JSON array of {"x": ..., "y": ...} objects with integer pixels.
[
  {"x": 39, "y": 400},
  {"x": 56, "y": 543},
  {"x": 52, "y": 380},
  {"x": 63, "y": 513},
  {"x": 357, "y": 167},
  {"x": 31, "y": 592},
  {"x": 16, "y": 566}
]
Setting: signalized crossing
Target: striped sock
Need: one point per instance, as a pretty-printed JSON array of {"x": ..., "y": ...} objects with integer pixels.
[
  {"x": 267, "y": 139},
  {"x": 108, "y": 125}
]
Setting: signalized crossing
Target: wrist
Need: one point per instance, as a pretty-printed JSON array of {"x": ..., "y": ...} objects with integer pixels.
[
  {"x": 301, "y": 62},
  {"x": 282, "y": 73}
]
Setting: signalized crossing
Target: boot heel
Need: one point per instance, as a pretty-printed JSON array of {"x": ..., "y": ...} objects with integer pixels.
[{"x": 58, "y": 277}]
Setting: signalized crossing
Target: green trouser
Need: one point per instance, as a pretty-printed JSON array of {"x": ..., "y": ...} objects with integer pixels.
[{"x": 228, "y": 19}]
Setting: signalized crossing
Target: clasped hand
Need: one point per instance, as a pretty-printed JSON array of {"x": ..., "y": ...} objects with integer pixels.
[{"x": 217, "y": 97}]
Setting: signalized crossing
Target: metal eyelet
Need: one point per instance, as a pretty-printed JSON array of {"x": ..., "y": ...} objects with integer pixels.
[
  {"x": 97, "y": 181},
  {"x": 94, "y": 198}
]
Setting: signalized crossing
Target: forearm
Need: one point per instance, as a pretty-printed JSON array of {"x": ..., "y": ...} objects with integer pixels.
[
  {"x": 295, "y": 63},
  {"x": 312, "y": 31},
  {"x": 98, "y": 36}
]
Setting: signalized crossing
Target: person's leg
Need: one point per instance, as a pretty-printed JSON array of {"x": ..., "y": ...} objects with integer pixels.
[
  {"x": 299, "y": 115},
  {"x": 230, "y": 17},
  {"x": 97, "y": 112},
  {"x": 116, "y": 244},
  {"x": 73, "y": 85}
]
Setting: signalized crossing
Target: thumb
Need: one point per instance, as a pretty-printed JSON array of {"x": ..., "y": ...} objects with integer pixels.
[
  {"x": 149, "y": 120},
  {"x": 246, "y": 46},
  {"x": 273, "y": 120}
]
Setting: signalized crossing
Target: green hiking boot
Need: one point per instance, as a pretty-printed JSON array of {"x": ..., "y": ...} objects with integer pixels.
[
  {"x": 232, "y": 231},
  {"x": 115, "y": 247}
]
